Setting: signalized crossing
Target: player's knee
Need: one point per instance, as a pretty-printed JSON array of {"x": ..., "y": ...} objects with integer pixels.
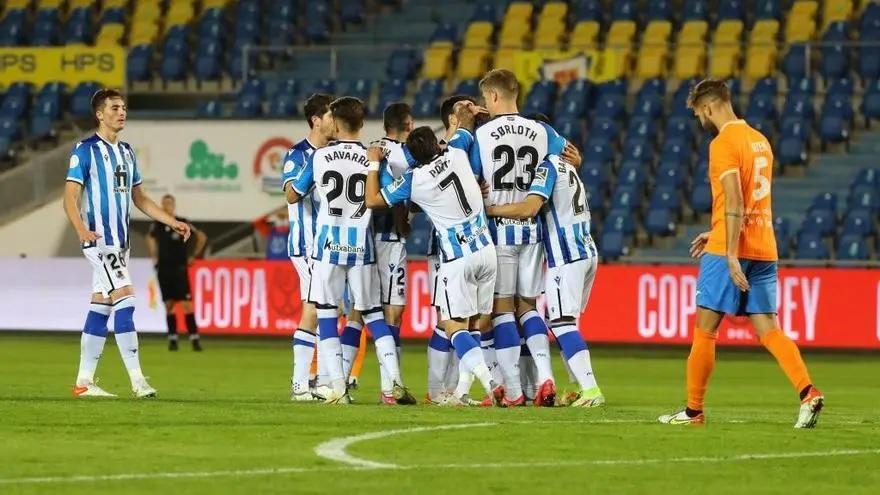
[
  {"x": 524, "y": 305},
  {"x": 187, "y": 307},
  {"x": 503, "y": 305},
  {"x": 393, "y": 315},
  {"x": 169, "y": 306}
]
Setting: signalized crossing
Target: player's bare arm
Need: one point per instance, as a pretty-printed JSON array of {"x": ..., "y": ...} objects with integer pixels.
[
  {"x": 201, "y": 242},
  {"x": 72, "y": 194},
  {"x": 291, "y": 195},
  {"x": 151, "y": 209},
  {"x": 698, "y": 245},
  {"x": 524, "y": 209},
  {"x": 571, "y": 155},
  {"x": 465, "y": 113},
  {"x": 733, "y": 218},
  {"x": 372, "y": 197}
]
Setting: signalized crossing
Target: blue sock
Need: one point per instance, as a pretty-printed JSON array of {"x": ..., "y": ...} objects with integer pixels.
[
  {"x": 96, "y": 320},
  {"x": 395, "y": 332},
  {"x": 533, "y": 324},
  {"x": 123, "y": 315},
  {"x": 439, "y": 342},
  {"x": 351, "y": 334},
  {"x": 463, "y": 342},
  {"x": 571, "y": 343}
]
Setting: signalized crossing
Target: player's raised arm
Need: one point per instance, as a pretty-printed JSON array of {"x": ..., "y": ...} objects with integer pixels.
[
  {"x": 151, "y": 209},
  {"x": 539, "y": 192},
  {"x": 297, "y": 188}
]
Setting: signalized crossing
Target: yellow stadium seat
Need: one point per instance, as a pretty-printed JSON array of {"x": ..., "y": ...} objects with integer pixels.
[
  {"x": 690, "y": 61},
  {"x": 17, "y": 4},
  {"x": 728, "y": 32},
  {"x": 836, "y": 10},
  {"x": 180, "y": 13},
  {"x": 764, "y": 31},
  {"x": 143, "y": 32},
  {"x": 585, "y": 35},
  {"x": 724, "y": 63},
  {"x": 49, "y": 4},
  {"x": 621, "y": 33},
  {"x": 472, "y": 63},
  {"x": 214, "y": 4},
  {"x": 438, "y": 62},
  {"x": 144, "y": 10},
  {"x": 478, "y": 34},
  {"x": 554, "y": 11},
  {"x": 75, "y": 4},
  {"x": 693, "y": 32},
  {"x": 110, "y": 34},
  {"x": 518, "y": 11},
  {"x": 807, "y": 8},
  {"x": 514, "y": 35},
  {"x": 801, "y": 29},
  {"x": 651, "y": 62},
  {"x": 505, "y": 58},
  {"x": 760, "y": 62},
  {"x": 657, "y": 32},
  {"x": 550, "y": 35},
  {"x": 115, "y": 4}
]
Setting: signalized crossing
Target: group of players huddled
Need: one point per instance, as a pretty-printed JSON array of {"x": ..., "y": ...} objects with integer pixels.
[{"x": 509, "y": 221}]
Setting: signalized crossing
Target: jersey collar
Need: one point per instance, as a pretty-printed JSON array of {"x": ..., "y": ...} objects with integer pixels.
[{"x": 737, "y": 121}]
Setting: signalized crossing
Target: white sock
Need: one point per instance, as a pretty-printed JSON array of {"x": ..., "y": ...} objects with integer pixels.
[
  {"x": 539, "y": 344},
  {"x": 527, "y": 374},
  {"x": 303, "y": 352},
  {"x": 438, "y": 363},
  {"x": 128, "y": 348},
  {"x": 582, "y": 368},
  {"x": 473, "y": 362},
  {"x": 90, "y": 349},
  {"x": 386, "y": 351},
  {"x": 507, "y": 352},
  {"x": 465, "y": 379},
  {"x": 452, "y": 371},
  {"x": 330, "y": 352},
  {"x": 490, "y": 358},
  {"x": 571, "y": 377},
  {"x": 574, "y": 346}
]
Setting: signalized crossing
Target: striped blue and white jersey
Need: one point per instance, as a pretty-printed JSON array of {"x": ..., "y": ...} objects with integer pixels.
[
  {"x": 565, "y": 217},
  {"x": 343, "y": 234},
  {"x": 463, "y": 140},
  {"x": 446, "y": 190},
  {"x": 506, "y": 152},
  {"x": 395, "y": 163},
  {"x": 107, "y": 172},
  {"x": 302, "y": 214}
]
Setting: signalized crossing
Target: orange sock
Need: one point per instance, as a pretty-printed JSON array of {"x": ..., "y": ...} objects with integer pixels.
[
  {"x": 314, "y": 370},
  {"x": 700, "y": 364},
  {"x": 359, "y": 359},
  {"x": 789, "y": 358}
]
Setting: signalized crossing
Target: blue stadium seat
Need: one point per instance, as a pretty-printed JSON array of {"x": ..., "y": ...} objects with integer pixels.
[
  {"x": 839, "y": 105},
  {"x": 41, "y": 127},
  {"x": 570, "y": 129},
  {"x": 868, "y": 177},
  {"x": 138, "y": 65},
  {"x": 835, "y": 62},
  {"x": 767, "y": 9},
  {"x": 352, "y": 12},
  {"x": 612, "y": 245},
  {"x": 850, "y": 247},
  {"x": 804, "y": 86},
  {"x": 360, "y": 88},
  {"x": 819, "y": 222},
  {"x": 610, "y": 107},
  {"x": 798, "y": 107},
  {"x": 679, "y": 98},
  {"x": 642, "y": 128},
  {"x": 766, "y": 127},
  {"x": 824, "y": 201},
  {"x": 680, "y": 128},
  {"x": 761, "y": 106},
  {"x": 792, "y": 151},
  {"x": 484, "y": 11},
  {"x": 671, "y": 174},
  {"x": 843, "y": 86},
  {"x": 14, "y": 106},
  {"x": 112, "y": 16},
  {"x": 695, "y": 10},
  {"x": 637, "y": 151},
  {"x": 211, "y": 30},
  {"x": 615, "y": 87},
  {"x": 869, "y": 63},
  {"x": 211, "y": 109},
  {"x": 620, "y": 221},
  {"x": 78, "y": 29},
  {"x": 596, "y": 204},
  {"x": 444, "y": 32},
  {"x": 795, "y": 128},
  {"x": 650, "y": 106},
  {"x": 207, "y": 63},
  {"x": 675, "y": 151},
  {"x": 626, "y": 198},
  {"x": 605, "y": 128},
  {"x": 598, "y": 151},
  {"x": 859, "y": 222},
  {"x": 541, "y": 97},
  {"x": 469, "y": 87},
  {"x": 731, "y": 9},
  {"x": 173, "y": 67},
  {"x": 871, "y": 101},
  {"x": 632, "y": 175},
  {"x": 660, "y": 222},
  {"x": 659, "y": 10},
  {"x": 588, "y": 10},
  {"x": 327, "y": 86},
  {"x": 701, "y": 197},
  {"x": 623, "y": 10},
  {"x": 596, "y": 176},
  {"x": 282, "y": 106},
  {"x": 782, "y": 225},
  {"x": 666, "y": 197},
  {"x": 811, "y": 246},
  {"x": 81, "y": 99},
  {"x": 248, "y": 106},
  {"x": 9, "y": 128},
  {"x": 864, "y": 197},
  {"x": 570, "y": 108},
  {"x": 317, "y": 32}
]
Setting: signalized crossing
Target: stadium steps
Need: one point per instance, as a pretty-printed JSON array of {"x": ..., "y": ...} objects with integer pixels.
[{"x": 828, "y": 172}]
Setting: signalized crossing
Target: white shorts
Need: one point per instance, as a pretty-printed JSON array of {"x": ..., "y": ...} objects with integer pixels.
[
  {"x": 433, "y": 274},
  {"x": 391, "y": 263},
  {"x": 466, "y": 285},
  {"x": 109, "y": 269},
  {"x": 303, "y": 266},
  {"x": 520, "y": 270},
  {"x": 329, "y": 282},
  {"x": 568, "y": 288}
]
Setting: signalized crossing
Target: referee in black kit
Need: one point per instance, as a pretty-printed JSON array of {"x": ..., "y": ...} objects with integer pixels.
[{"x": 171, "y": 256}]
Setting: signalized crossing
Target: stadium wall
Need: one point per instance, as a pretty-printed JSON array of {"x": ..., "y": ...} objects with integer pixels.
[{"x": 635, "y": 304}]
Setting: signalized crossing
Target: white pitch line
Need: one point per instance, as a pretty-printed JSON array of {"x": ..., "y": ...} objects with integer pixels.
[
  {"x": 511, "y": 465},
  {"x": 334, "y": 449}
]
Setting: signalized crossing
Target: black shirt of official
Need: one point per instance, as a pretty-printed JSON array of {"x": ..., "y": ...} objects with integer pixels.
[{"x": 173, "y": 250}]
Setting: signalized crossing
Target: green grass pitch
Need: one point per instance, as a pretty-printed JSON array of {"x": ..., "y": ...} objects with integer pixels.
[{"x": 223, "y": 424}]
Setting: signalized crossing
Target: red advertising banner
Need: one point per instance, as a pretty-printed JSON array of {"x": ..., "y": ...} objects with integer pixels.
[{"x": 818, "y": 307}]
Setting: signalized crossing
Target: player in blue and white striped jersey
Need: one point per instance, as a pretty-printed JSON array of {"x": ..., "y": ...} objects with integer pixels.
[
  {"x": 104, "y": 179},
  {"x": 443, "y": 186},
  {"x": 303, "y": 219},
  {"x": 558, "y": 194},
  {"x": 344, "y": 248},
  {"x": 506, "y": 152}
]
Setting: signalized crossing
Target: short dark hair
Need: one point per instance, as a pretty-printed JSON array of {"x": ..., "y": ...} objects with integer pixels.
[
  {"x": 102, "y": 95},
  {"x": 540, "y": 117},
  {"x": 422, "y": 144},
  {"x": 349, "y": 111},
  {"x": 502, "y": 81},
  {"x": 708, "y": 88},
  {"x": 316, "y": 106},
  {"x": 395, "y": 116},
  {"x": 446, "y": 108}
]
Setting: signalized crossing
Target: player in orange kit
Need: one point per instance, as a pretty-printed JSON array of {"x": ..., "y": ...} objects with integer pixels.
[{"x": 738, "y": 255}]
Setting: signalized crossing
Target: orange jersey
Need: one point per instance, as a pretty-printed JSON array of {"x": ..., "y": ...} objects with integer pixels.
[{"x": 740, "y": 148}]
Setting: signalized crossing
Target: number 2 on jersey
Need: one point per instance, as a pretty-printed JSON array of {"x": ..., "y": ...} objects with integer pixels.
[
  {"x": 762, "y": 183},
  {"x": 526, "y": 156},
  {"x": 354, "y": 190}
]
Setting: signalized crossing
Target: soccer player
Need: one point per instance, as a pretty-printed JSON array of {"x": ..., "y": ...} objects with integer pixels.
[
  {"x": 302, "y": 217},
  {"x": 172, "y": 258},
  {"x": 506, "y": 153},
  {"x": 390, "y": 228},
  {"x": 103, "y": 176},
  {"x": 442, "y": 185},
  {"x": 738, "y": 255},
  {"x": 559, "y": 195},
  {"x": 344, "y": 248}
]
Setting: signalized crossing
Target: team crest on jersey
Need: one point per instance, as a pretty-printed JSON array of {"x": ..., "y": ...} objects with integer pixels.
[
  {"x": 540, "y": 176},
  {"x": 119, "y": 274},
  {"x": 288, "y": 166},
  {"x": 74, "y": 161},
  {"x": 397, "y": 183}
]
